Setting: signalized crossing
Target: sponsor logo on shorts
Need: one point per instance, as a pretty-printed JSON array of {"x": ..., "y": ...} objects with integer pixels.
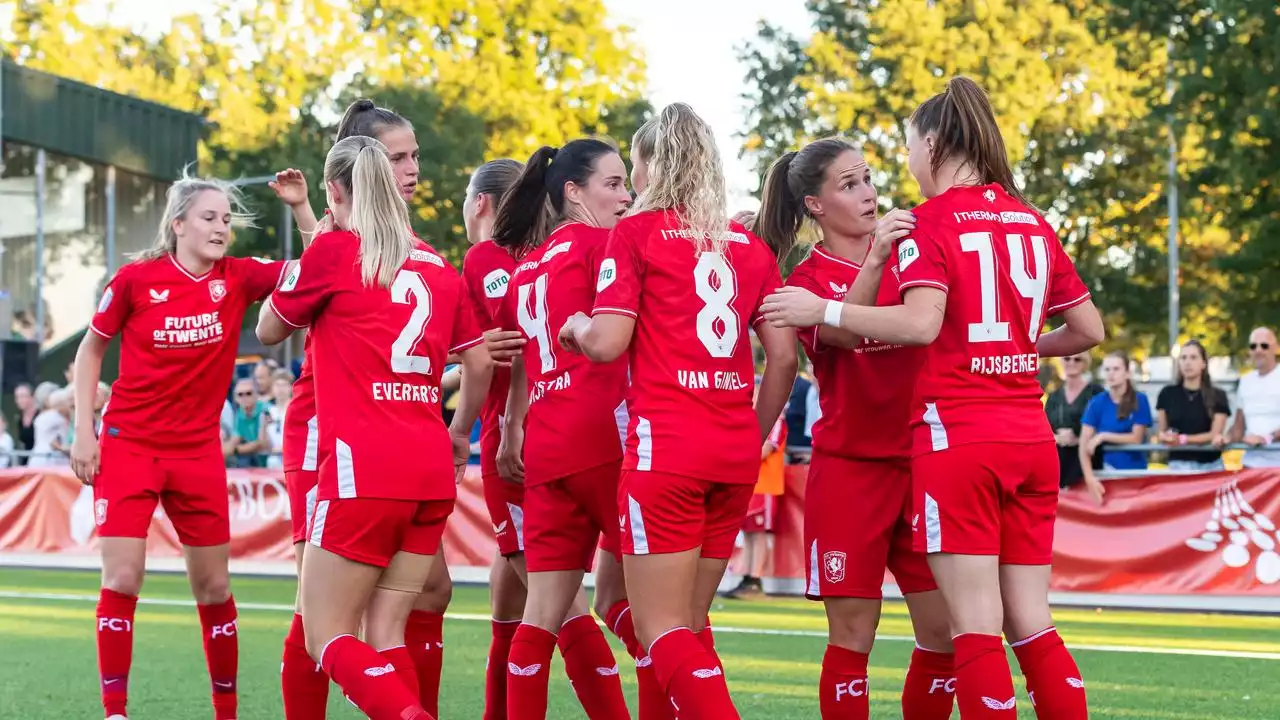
[
  {"x": 500, "y": 528},
  {"x": 833, "y": 565},
  {"x": 100, "y": 512},
  {"x": 217, "y": 290},
  {"x": 380, "y": 671}
]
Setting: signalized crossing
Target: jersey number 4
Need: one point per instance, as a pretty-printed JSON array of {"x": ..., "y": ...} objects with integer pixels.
[
  {"x": 535, "y": 320},
  {"x": 410, "y": 289},
  {"x": 1030, "y": 285}
]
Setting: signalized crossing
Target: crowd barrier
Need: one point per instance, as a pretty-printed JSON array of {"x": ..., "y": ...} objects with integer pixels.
[{"x": 1205, "y": 535}]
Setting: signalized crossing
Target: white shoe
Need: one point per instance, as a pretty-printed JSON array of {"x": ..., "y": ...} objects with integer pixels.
[{"x": 117, "y": 717}]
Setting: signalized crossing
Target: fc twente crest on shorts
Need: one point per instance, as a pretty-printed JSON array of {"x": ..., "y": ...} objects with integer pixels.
[
  {"x": 833, "y": 563},
  {"x": 217, "y": 290}
]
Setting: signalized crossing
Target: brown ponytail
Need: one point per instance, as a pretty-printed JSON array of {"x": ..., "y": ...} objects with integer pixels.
[
  {"x": 1129, "y": 401},
  {"x": 964, "y": 127},
  {"x": 791, "y": 179}
]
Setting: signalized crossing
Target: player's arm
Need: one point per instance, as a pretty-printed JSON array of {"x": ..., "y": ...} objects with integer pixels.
[
  {"x": 271, "y": 329},
  {"x": 1081, "y": 330},
  {"x": 88, "y": 372},
  {"x": 602, "y": 338},
  {"x": 301, "y": 296},
  {"x": 895, "y": 225},
  {"x": 477, "y": 373},
  {"x": 1091, "y": 482},
  {"x": 780, "y": 365},
  {"x": 511, "y": 445},
  {"x": 916, "y": 321}
]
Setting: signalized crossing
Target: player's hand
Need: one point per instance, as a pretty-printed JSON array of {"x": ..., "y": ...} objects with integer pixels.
[
  {"x": 568, "y": 332},
  {"x": 793, "y": 307},
  {"x": 1255, "y": 440},
  {"x": 746, "y": 219},
  {"x": 504, "y": 345},
  {"x": 290, "y": 186},
  {"x": 510, "y": 455},
  {"x": 84, "y": 457},
  {"x": 1096, "y": 490},
  {"x": 890, "y": 228},
  {"x": 461, "y": 455}
]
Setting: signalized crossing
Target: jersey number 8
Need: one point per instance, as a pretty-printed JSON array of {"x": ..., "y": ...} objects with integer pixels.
[{"x": 717, "y": 286}]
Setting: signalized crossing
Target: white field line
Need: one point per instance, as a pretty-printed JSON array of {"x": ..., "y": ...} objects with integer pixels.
[{"x": 466, "y": 617}]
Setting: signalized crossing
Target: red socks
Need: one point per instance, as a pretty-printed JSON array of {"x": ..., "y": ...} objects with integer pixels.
[
  {"x": 115, "y": 648},
  {"x": 654, "y": 704},
  {"x": 1053, "y": 680},
  {"x": 304, "y": 686},
  {"x": 495, "y": 669},
  {"x": 528, "y": 670},
  {"x": 984, "y": 684},
  {"x": 842, "y": 687},
  {"x": 402, "y": 661},
  {"x": 222, "y": 652},
  {"x": 708, "y": 641},
  {"x": 931, "y": 686},
  {"x": 370, "y": 681},
  {"x": 691, "y": 677},
  {"x": 424, "y": 636},
  {"x": 592, "y": 669}
]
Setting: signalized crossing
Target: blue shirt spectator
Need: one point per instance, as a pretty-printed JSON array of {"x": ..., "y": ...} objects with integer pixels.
[{"x": 1119, "y": 416}]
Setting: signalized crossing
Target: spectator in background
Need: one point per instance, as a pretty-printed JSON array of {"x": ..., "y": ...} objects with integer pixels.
[
  {"x": 6, "y": 445},
  {"x": 248, "y": 442},
  {"x": 1193, "y": 412},
  {"x": 1119, "y": 416},
  {"x": 1065, "y": 409},
  {"x": 757, "y": 526},
  {"x": 50, "y": 427},
  {"x": 24, "y": 398},
  {"x": 1258, "y": 402},
  {"x": 281, "y": 394},
  {"x": 263, "y": 373},
  {"x": 812, "y": 410},
  {"x": 795, "y": 416}
]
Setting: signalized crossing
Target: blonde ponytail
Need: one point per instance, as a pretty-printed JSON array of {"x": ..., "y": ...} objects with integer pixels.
[
  {"x": 379, "y": 215},
  {"x": 686, "y": 177}
]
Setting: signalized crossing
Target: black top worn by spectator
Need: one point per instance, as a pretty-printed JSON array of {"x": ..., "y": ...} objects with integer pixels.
[
  {"x": 1063, "y": 414},
  {"x": 1187, "y": 415}
]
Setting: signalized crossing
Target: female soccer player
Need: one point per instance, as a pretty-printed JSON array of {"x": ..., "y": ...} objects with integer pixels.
[
  {"x": 680, "y": 288},
  {"x": 858, "y": 499},
  {"x": 486, "y": 272},
  {"x": 178, "y": 307},
  {"x": 384, "y": 311},
  {"x": 304, "y": 687},
  {"x": 564, "y": 405},
  {"x": 979, "y": 274}
]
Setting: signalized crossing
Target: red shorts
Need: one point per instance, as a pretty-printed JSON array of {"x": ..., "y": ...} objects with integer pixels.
[
  {"x": 566, "y": 518},
  {"x": 987, "y": 499},
  {"x": 193, "y": 492},
  {"x": 505, "y": 501},
  {"x": 665, "y": 513},
  {"x": 301, "y": 485},
  {"x": 373, "y": 530},
  {"x": 760, "y": 514},
  {"x": 857, "y": 524}
]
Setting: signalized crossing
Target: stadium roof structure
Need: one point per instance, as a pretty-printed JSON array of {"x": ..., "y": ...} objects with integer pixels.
[{"x": 85, "y": 122}]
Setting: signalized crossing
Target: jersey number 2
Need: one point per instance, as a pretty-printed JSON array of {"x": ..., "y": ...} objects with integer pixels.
[
  {"x": 717, "y": 304},
  {"x": 410, "y": 289},
  {"x": 1030, "y": 285}
]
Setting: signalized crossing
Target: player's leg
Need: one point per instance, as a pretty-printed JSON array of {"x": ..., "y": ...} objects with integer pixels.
[
  {"x": 303, "y": 685},
  {"x": 724, "y": 508},
  {"x": 614, "y": 608},
  {"x": 956, "y": 495},
  {"x": 1054, "y": 681},
  {"x": 929, "y": 690},
  {"x": 663, "y": 528},
  {"x": 353, "y": 544},
  {"x": 195, "y": 498},
  {"x": 506, "y": 587},
  {"x": 424, "y": 632},
  {"x": 125, "y": 495}
]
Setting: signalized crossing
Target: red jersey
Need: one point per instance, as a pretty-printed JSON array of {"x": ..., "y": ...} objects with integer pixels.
[
  {"x": 378, "y": 354},
  {"x": 865, "y": 392},
  {"x": 692, "y": 371},
  {"x": 301, "y": 429},
  {"x": 1004, "y": 272},
  {"x": 570, "y": 426},
  {"x": 179, "y": 336},
  {"x": 486, "y": 272}
]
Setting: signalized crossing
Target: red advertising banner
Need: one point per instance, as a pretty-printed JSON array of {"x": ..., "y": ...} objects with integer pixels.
[{"x": 1166, "y": 535}]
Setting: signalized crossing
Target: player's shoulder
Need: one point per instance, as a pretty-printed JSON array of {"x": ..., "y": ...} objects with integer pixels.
[
  {"x": 423, "y": 257},
  {"x": 643, "y": 224},
  {"x": 334, "y": 242},
  {"x": 486, "y": 256}
]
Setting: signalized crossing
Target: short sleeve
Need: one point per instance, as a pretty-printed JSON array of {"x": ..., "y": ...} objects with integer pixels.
[
  {"x": 621, "y": 274},
  {"x": 308, "y": 287},
  {"x": 1066, "y": 289},
  {"x": 472, "y": 282},
  {"x": 922, "y": 262},
  {"x": 260, "y": 275},
  {"x": 802, "y": 278},
  {"x": 1093, "y": 413},
  {"x": 1221, "y": 405},
  {"x": 1164, "y": 401},
  {"x": 467, "y": 332},
  {"x": 114, "y": 307},
  {"x": 772, "y": 281},
  {"x": 1143, "y": 414}
]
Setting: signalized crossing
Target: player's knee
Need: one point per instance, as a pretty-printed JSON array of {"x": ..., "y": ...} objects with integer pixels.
[
  {"x": 435, "y": 596},
  {"x": 211, "y": 588},
  {"x": 124, "y": 579},
  {"x": 853, "y": 628},
  {"x": 934, "y": 634}
]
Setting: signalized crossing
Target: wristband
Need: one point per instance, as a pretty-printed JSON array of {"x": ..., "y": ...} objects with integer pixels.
[
  {"x": 1182, "y": 439},
  {"x": 832, "y": 315}
]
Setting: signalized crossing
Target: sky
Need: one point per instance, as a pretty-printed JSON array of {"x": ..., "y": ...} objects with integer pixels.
[{"x": 690, "y": 47}]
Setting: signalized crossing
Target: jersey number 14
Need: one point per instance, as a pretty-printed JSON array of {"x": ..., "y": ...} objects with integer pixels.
[{"x": 1030, "y": 285}]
